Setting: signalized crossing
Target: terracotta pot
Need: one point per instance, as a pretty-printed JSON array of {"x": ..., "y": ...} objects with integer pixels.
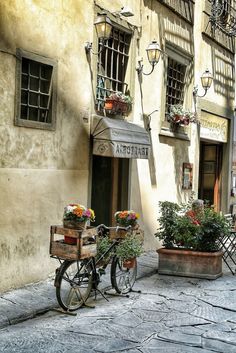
[
  {"x": 129, "y": 263},
  {"x": 70, "y": 240},
  {"x": 190, "y": 263},
  {"x": 109, "y": 105}
]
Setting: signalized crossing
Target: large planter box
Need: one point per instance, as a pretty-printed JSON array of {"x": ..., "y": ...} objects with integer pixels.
[{"x": 189, "y": 263}]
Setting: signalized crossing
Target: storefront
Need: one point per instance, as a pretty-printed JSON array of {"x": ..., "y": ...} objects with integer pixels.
[
  {"x": 213, "y": 141},
  {"x": 115, "y": 143}
]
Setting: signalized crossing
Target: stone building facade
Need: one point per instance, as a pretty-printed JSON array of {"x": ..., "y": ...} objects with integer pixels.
[{"x": 60, "y": 144}]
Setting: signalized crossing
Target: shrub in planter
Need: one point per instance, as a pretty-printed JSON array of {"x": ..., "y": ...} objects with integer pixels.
[
  {"x": 194, "y": 228},
  {"x": 190, "y": 236}
]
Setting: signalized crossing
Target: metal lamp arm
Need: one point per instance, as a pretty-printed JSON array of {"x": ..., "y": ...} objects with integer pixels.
[
  {"x": 89, "y": 48},
  {"x": 195, "y": 92}
]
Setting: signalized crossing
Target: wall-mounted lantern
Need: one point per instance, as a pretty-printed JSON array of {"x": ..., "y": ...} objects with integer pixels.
[
  {"x": 153, "y": 54},
  {"x": 103, "y": 28},
  {"x": 206, "y": 80}
]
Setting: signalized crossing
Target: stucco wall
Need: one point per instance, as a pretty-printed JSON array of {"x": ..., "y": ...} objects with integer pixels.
[{"x": 42, "y": 170}]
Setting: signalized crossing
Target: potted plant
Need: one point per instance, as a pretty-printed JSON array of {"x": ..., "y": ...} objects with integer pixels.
[
  {"x": 103, "y": 244},
  {"x": 190, "y": 235},
  {"x": 126, "y": 219},
  {"x": 76, "y": 216},
  {"x": 118, "y": 103},
  {"x": 180, "y": 116},
  {"x": 128, "y": 249}
]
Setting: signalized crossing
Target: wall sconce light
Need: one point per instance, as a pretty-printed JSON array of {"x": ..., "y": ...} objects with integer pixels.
[
  {"x": 103, "y": 28},
  {"x": 206, "y": 80},
  {"x": 153, "y": 54}
]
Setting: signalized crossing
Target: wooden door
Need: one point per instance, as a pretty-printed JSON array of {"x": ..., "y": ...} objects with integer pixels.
[
  {"x": 110, "y": 178},
  {"x": 210, "y": 174}
]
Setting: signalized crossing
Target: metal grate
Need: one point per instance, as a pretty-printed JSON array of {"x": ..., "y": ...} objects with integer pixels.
[
  {"x": 223, "y": 16},
  {"x": 36, "y": 91},
  {"x": 112, "y": 65},
  {"x": 175, "y": 83}
]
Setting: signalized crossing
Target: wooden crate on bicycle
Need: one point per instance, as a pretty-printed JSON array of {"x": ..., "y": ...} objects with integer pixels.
[
  {"x": 85, "y": 243},
  {"x": 121, "y": 234}
]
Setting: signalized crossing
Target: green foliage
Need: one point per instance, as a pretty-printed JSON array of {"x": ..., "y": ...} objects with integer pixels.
[
  {"x": 129, "y": 247},
  {"x": 168, "y": 222},
  {"x": 198, "y": 229},
  {"x": 103, "y": 245}
]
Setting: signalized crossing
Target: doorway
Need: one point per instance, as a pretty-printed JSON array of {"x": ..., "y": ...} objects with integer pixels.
[
  {"x": 210, "y": 173},
  {"x": 110, "y": 187}
]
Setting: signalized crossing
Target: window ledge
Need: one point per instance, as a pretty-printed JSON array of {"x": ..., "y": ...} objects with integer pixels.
[{"x": 181, "y": 132}]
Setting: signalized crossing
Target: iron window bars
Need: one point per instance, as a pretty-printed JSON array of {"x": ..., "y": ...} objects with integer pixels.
[
  {"x": 111, "y": 66},
  {"x": 175, "y": 83},
  {"x": 36, "y": 91},
  {"x": 223, "y": 16}
]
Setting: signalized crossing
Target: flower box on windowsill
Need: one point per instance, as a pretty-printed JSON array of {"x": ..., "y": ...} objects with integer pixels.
[
  {"x": 113, "y": 106},
  {"x": 118, "y": 103}
]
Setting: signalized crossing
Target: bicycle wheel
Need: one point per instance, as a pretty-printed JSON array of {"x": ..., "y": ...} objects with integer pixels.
[
  {"x": 122, "y": 278},
  {"x": 74, "y": 283}
]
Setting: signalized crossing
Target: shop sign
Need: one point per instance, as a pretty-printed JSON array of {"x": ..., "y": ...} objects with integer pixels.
[
  {"x": 213, "y": 127},
  {"x": 120, "y": 149}
]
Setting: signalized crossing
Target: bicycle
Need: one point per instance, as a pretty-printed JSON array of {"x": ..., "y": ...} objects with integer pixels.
[{"x": 75, "y": 280}]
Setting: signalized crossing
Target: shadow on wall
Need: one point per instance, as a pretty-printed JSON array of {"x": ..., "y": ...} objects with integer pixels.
[
  {"x": 180, "y": 156},
  {"x": 223, "y": 72}
]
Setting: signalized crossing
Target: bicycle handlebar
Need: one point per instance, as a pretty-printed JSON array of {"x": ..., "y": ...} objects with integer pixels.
[{"x": 111, "y": 228}]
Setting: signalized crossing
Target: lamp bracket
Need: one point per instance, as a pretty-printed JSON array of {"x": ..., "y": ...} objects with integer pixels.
[
  {"x": 139, "y": 69},
  {"x": 195, "y": 92},
  {"x": 89, "y": 48}
]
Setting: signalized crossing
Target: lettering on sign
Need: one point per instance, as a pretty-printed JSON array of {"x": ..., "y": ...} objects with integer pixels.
[
  {"x": 131, "y": 151},
  {"x": 213, "y": 127}
]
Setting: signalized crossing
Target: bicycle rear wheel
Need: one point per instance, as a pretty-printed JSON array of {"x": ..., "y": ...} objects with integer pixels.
[
  {"x": 74, "y": 283},
  {"x": 122, "y": 278}
]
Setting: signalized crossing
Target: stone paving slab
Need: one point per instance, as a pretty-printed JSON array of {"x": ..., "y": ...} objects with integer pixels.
[
  {"x": 25, "y": 303},
  {"x": 168, "y": 316}
]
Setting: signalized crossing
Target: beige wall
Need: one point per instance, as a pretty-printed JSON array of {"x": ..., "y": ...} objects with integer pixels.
[{"x": 42, "y": 170}]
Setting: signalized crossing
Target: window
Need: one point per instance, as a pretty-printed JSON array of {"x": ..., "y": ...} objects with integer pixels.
[
  {"x": 183, "y": 7},
  {"x": 175, "y": 83},
  {"x": 112, "y": 66},
  {"x": 35, "y": 91}
]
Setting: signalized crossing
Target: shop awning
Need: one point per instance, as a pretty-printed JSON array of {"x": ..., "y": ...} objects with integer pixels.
[{"x": 118, "y": 138}]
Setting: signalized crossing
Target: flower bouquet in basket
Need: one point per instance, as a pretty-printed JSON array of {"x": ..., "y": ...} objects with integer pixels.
[
  {"x": 126, "y": 218},
  {"x": 76, "y": 216}
]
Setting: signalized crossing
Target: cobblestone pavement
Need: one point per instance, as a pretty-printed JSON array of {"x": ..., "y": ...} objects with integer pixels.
[{"x": 170, "y": 315}]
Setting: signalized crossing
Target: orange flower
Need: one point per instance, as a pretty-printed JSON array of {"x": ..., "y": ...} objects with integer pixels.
[{"x": 78, "y": 212}]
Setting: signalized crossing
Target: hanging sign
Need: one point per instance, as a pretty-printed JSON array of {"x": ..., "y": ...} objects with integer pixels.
[{"x": 213, "y": 127}]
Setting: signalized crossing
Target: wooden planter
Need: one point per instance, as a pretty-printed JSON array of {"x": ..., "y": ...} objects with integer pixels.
[
  {"x": 84, "y": 243},
  {"x": 189, "y": 263}
]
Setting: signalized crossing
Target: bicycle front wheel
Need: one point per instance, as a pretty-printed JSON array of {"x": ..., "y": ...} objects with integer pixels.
[
  {"x": 74, "y": 283},
  {"x": 122, "y": 278}
]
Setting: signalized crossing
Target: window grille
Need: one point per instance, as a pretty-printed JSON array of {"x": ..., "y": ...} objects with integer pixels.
[
  {"x": 35, "y": 91},
  {"x": 111, "y": 66},
  {"x": 175, "y": 83},
  {"x": 223, "y": 16}
]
